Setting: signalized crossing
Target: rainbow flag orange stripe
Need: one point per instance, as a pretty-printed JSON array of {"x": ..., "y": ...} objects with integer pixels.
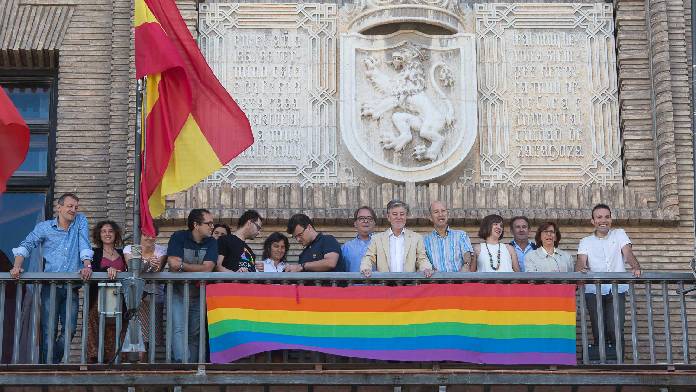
[{"x": 473, "y": 322}]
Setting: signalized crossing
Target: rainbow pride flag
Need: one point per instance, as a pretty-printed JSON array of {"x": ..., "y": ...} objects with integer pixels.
[{"x": 472, "y": 322}]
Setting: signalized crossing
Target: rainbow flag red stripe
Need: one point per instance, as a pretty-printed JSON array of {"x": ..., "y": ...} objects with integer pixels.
[{"x": 472, "y": 322}]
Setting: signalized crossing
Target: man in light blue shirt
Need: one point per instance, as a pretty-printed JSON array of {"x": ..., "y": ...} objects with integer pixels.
[
  {"x": 364, "y": 220},
  {"x": 519, "y": 226},
  {"x": 65, "y": 246},
  {"x": 449, "y": 250}
]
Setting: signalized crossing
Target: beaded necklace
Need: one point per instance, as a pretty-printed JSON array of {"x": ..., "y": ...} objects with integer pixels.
[{"x": 490, "y": 257}]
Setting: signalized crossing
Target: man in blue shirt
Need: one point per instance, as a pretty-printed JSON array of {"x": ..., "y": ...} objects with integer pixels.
[
  {"x": 354, "y": 250},
  {"x": 449, "y": 250},
  {"x": 192, "y": 250},
  {"x": 65, "y": 247},
  {"x": 322, "y": 253},
  {"x": 519, "y": 226}
]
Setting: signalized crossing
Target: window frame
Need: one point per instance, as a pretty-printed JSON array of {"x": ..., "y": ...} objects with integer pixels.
[{"x": 33, "y": 183}]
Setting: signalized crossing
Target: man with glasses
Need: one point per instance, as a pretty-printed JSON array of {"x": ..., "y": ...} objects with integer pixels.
[
  {"x": 192, "y": 250},
  {"x": 322, "y": 253},
  {"x": 353, "y": 251},
  {"x": 234, "y": 253},
  {"x": 448, "y": 250}
]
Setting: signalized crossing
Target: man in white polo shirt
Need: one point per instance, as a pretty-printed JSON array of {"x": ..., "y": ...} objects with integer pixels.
[{"x": 606, "y": 250}]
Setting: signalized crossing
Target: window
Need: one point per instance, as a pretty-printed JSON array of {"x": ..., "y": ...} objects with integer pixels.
[{"x": 29, "y": 195}]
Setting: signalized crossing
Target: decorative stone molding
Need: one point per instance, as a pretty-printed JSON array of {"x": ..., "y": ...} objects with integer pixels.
[
  {"x": 662, "y": 108},
  {"x": 365, "y": 14},
  {"x": 467, "y": 203}
]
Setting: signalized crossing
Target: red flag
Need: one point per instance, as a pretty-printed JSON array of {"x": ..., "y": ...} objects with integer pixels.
[
  {"x": 14, "y": 139},
  {"x": 193, "y": 126}
]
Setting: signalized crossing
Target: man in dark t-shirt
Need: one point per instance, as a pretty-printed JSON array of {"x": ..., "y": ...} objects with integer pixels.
[
  {"x": 192, "y": 250},
  {"x": 234, "y": 253},
  {"x": 322, "y": 252}
]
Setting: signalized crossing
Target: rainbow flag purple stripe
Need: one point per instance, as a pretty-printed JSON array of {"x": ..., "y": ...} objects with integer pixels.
[{"x": 473, "y": 322}]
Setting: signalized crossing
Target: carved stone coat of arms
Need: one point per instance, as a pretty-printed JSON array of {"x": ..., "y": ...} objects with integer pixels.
[{"x": 408, "y": 102}]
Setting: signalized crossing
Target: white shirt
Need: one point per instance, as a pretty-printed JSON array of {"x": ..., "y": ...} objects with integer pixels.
[
  {"x": 485, "y": 259},
  {"x": 160, "y": 250},
  {"x": 397, "y": 250},
  {"x": 269, "y": 266},
  {"x": 604, "y": 255}
]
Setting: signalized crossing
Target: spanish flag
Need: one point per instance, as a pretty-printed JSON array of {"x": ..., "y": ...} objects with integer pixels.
[
  {"x": 14, "y": 139},
  {"x": 193, "y": 126}
]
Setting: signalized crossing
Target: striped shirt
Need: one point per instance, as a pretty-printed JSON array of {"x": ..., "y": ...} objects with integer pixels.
[{"x": 446, "y": 254}]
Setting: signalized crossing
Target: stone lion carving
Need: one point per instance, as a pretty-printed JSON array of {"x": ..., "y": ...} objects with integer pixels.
[{"x": 413, "y": 109}]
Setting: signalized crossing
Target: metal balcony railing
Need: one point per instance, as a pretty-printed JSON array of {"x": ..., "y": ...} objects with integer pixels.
[{"x": 658, "y": 307}]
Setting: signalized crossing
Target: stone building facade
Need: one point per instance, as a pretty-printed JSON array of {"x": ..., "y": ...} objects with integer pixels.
[{"x": 87, "y": 47}]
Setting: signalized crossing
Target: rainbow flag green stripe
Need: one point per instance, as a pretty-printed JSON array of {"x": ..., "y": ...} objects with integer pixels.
[{"x": 463, "y": 322}]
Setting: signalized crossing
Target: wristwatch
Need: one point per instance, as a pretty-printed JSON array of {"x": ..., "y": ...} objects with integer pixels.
[
  {"x": 181, "y": 267},
  {"x": 302, "y": 265}
]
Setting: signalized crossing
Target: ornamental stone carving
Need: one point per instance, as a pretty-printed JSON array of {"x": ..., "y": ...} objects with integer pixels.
[{"x": 408, "y": 102}]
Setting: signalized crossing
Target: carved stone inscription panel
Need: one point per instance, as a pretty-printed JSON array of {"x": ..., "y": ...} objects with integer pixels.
[
  {"x": 547, "y": 93},
  {"x": 278, "y": 62}
]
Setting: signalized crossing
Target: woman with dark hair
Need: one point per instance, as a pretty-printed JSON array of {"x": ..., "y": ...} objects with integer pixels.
[
  {"x": 547, "y": 257},
  {"x": 108, "y": 257},
  {"x": 275, "y": 250},
  {"x": 221, "y": 229},
  {"x": 491, "y": 254}
]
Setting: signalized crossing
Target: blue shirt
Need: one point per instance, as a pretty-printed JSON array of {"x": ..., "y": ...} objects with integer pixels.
[
  {"x": 353, "y": 252},
  {"x": 446, "y": 254},
  {"x": 523, "y": 252},
  {"x": 62, "y": 249},
  {"x": 323, "y": 244}
]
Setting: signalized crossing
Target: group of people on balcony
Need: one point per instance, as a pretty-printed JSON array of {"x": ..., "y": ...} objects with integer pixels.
[{"x": 206, "y": 246}]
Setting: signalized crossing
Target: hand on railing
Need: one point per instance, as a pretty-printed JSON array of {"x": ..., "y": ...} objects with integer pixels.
[
  {"x": 111, "y": 272},
  {"x": 16, "y": 271},
  {"x": 86, "y": 272}
]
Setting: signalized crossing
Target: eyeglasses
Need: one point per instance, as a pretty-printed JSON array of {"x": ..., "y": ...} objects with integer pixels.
[
  {"x": 298, "y": 235},
  {"x": 211, "y": 223},
  {"x": 258, "y": 226},
  {"x": 549, "y": 232},
  {"x": 365, "y": 219}
]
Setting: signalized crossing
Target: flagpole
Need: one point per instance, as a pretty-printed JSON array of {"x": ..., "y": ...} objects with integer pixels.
[
  {"x": 134, "y": 287},
  {"x": 138, "y": 171}
]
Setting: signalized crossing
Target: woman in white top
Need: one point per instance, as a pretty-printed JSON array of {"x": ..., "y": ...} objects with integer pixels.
[
  {"x": 275, "y": 249},
  {"x": 547, "y": 257},
  {"x": 491, "y": 254},
  {"x": 154, "y": 257}
]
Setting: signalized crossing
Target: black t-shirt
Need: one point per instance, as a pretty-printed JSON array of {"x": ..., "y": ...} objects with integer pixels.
[
  {"x": 323, "y": 244},
  {"x": 237, "y": 253}
]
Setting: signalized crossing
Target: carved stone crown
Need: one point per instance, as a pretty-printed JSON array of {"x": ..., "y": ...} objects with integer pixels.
[{"x": 363, "y": 14}]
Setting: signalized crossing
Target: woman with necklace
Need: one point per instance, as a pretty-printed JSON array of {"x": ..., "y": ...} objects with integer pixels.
[
  {"x": 491, "y": 254},
  {"x": 108, "y": 257},
  {"x": 154, "y": 256},
  {"x": 547, "y": 257}
]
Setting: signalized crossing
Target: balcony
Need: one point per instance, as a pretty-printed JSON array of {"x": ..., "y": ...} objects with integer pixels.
[{"x": 659, "y": 345}]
